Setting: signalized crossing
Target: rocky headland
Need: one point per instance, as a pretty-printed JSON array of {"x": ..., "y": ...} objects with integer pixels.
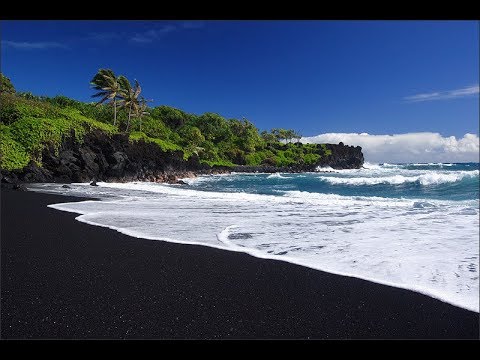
[{"x": 113, "y": 158}]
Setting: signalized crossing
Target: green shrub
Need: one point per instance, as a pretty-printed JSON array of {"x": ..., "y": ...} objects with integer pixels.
[
  {"x": 282, "y": 160},
  {"x": 163, "y": 144},
  {"x": 154, "y": 128},
  {"x": 326, "y": 152},
  {"x": 6, "y": 85},
  {"x": 12, "y": 154},
  {"x": 311, "y": 158},
  {"x": 8, "y": 109},
  {"x": 260, "y": 158}
]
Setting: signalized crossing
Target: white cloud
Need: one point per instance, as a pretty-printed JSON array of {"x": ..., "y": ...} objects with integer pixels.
[
  {"x": 157, "y": 33},
  {"x": 153, "y": 34},
  {"x": 444, "y": 95},
  {"x": 25, "y": 45},
  {"x": 407, "y": 148}
]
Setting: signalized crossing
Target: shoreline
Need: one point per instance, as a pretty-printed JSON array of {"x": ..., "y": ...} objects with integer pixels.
[
  {"x": 257, "y": 254},
  {"x": 72, "y": 270},
  {"x": 11, "y": 180}
]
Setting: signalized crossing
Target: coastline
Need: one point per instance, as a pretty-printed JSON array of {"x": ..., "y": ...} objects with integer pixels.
[{"x": 74, "y": 280}]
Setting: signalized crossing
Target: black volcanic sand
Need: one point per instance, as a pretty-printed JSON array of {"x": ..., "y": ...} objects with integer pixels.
[{"x": 65, "y": 279}]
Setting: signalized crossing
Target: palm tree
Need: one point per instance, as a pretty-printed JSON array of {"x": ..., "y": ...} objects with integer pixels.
[
  {"x": 108, "y": 87},
  {"x": 142, "y": 110},
  {"x": 129, "y": 96},
  {"x": 297, "y": 136}
]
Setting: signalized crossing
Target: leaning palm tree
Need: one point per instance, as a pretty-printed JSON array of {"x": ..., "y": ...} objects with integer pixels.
[
  {"x": 108, "y": 87},
  {"x": 129, "y": 96},
  {"x": 142, "y": 110}
]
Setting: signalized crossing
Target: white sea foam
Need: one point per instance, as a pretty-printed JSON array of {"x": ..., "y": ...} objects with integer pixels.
[
  {"x": 206, "y": 178},
  {"x": 387, "y": 165},
  {"x": 325, "y": 169},
  {"x": 371, "y": 166},
  {"x": 432, "y": 164},
  {"x": 276, "y": 176},
  {"x": 430, "y": 178},
  {"x": 427, "y": 246}
]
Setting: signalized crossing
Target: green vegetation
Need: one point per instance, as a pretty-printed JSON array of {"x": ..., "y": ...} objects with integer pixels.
[
  {"x": 29, "y": 123},
  {"x": 12, "y": 154},
  {"x": 6, "y": 85},
  {"x": 165, "y": 145}
]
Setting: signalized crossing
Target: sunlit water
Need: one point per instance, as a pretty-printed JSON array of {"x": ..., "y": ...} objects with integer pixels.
[{"x": 414, "y": 226}]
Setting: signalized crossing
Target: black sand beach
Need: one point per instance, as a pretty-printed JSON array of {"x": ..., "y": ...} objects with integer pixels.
[{"x": 65, "y": 279}]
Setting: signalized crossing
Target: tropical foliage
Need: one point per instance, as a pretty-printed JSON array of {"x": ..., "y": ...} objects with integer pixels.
[{"x": 29, "y": 122}]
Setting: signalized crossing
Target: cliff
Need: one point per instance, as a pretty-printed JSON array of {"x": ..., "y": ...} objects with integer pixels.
[{"x": 114, "y": 158}]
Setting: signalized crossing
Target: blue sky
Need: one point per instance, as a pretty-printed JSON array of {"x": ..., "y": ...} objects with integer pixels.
[{"x": 376, "y": 77}]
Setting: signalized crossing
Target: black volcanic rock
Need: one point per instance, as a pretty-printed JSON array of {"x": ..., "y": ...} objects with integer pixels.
[
  {"x": 8, "y": 178},
  {"x": 343, "y": 157},
  {"x": 118, "y": 161},
  {"x": 106, "y": 157},
  {"x": 34, "y": 173}
]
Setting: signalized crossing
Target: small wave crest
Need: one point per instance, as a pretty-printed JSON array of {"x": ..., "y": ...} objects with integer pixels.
[
  {"x": 433, "y": 178},
  {"x": 325, "y": 169},
  {"x": 432, "y": 164},
  {"x": 276, "y": 176}
]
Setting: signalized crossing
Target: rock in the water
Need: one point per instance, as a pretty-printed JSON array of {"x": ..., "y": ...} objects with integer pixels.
[
  {"x": 65, "y": 186},
  {"x": 93, "y": 183},
  {"x": 181, "y": 182}
]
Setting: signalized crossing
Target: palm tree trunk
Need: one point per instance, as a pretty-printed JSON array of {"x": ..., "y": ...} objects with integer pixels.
[
  {"x": 129, "y": 114},
  {"x": 114, "y": 111}
]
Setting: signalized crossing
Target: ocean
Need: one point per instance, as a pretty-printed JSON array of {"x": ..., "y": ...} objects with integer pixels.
[{"x": 413, "y": 226}]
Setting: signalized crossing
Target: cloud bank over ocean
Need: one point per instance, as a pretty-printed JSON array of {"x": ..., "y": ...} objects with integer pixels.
[{"x": 407, "y": 148}]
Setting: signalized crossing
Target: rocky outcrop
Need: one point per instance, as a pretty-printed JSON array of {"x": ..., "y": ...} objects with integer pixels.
[
  {"x": 342, "y": 157},
  {"x": 101, "y": 157}
]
